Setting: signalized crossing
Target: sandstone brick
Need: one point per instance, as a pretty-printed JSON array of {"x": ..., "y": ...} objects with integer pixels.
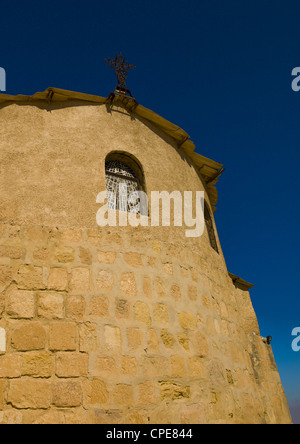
[
  {"x": 134, "y": 338},
  {"x": 153, "y": 341},
  {"x": 151, "y": 261},
  {"x": 206, "y": 301},
  {"x": 3, "y": 340},
  {"x": 52, "y": 417},
  {"x": 142, "y": 313},
  {"x": 112, "y": 337},
  {"x": 62, "y": 336},
  {"x": 122, "y": 308},
  {"x": 80, "y": 280},
  {"x": 64, "y": 255},
  {"x": 67, "y": 394},
  {"x": 155, "y": 366},
  {"x": 6, "y": 276},
  {"x": 196, "y": 366},
  {"x": 75, "y": 307},
  {"x": 11, "y": 417},
  {"x": 184, "y": 341},
  {"x": 114, "y": 238},
  {"x": 175, "y": 292},
  {"x": 28, "y": 337},
  {"x": 94, "y": 393},
  {"x": 58, "y": 279},
  {"x": 105, "y": 280},
  {"x": 129, "y": 365},
  {"x": 37, "y": 365},
  {"x": 133, "y": 259},
  {"x": 187, "y": 321},
  {"x": 160, "y": 289},
  {"x": 95, "y": 237},
  {"x": 147, "y": 393},
  {"x": 2, "y": 394},
  {"x": 12, "y": 252},
  {"x": 128, "y": 284},
  {"x": 10, "y": 366},
  {"x": 167, "y": 338},
  {"x": 168, "y": 268},
  {"x": 104, "y": 367},
  {"x": 178, "y": 367},
  {"x": 123, "y": 395},
  {"x": 88, "y": 338},
  {"x": 99, "y": 306},
  {"x": 78, "y": 416},
  {"x": 171, "y": 391},
  {"x": 71, "y": 365},
  {"x": 85, "y": 256},
  {"x": 51, "y": 305},
  {"x": 107, "y": 257},
  {"x": 161, "y": 314},
  {"x": 135, "y": 416},
  {"x": 30, "y": 278},
  {"x": 20, "y": 304},
  {"x": 72, "y": 236},
  {"x": 192, "y": 293},
  {"x": 28, "y": 393}
]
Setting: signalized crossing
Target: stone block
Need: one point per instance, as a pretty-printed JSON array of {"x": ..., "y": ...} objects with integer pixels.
[
  {"x": 67, "y": 394},
  {"x": 142, "y": 313},
  {"x": 29, "y": 336},
  {"x": 27, "y": 393},
  {"x": 71, "y": 365},
  {"x": 62, "y": 336},
  {"x": 10, "y": 366},
  {"x": 128, "y": 285},
  {"x": 94, "y": 393},
  {"x": 58, "y": 279},
  {"x": 30, "y": 278},
  {"x": 37, "y": 365},
  {"x": 187, "y": 321},
  {"x": 80, "y": 280},
  {"x": 75, "y": 307},
  {"x": 51, "y": 305},
  {"x": 20, "y": 304}
]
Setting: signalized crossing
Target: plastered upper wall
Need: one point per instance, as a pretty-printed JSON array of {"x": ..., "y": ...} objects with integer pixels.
[{"x": 52, "y": 163}]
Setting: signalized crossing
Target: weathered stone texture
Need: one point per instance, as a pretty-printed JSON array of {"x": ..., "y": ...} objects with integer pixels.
[{"x": 115, "y": 325}]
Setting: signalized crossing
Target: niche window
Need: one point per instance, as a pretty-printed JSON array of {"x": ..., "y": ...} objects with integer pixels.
[
  {"x": 120, "y": 175},
  {"x": 210, "y": 228}
]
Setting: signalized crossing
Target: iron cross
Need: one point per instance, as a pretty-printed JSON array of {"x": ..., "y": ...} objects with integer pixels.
[{"x": 120, "y": 65}]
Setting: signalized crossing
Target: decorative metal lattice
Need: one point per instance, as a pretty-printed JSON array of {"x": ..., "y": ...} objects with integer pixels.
[
  {"x": 210, "y": 229},
  {"x": 122, "y": 187}
]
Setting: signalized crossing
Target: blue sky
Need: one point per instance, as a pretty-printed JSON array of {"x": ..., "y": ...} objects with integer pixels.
[{"x": 222, "y": 71}]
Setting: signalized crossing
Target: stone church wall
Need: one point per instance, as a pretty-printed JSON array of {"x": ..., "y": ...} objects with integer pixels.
[{"x": 115, "y": 325}]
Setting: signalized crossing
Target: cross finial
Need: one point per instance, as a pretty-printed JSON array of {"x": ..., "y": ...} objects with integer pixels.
[{"x": 120, "y": 65}]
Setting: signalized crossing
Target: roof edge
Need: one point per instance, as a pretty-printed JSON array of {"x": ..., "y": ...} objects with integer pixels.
[{"x": 208, "y": 169}]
